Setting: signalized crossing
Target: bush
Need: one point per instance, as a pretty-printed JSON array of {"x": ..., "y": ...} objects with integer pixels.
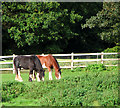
[
  {"x": 114, "y": 49},
  {"x": 12, "y": 90},
  {"x": 77, "y": 69},
  {"x": 111, "y": 50},
  {"x": 109, "y": 68},
  {"x": 95, "y": 67}
]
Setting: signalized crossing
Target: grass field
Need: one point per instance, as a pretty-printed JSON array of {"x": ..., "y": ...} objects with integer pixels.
[{"x": 76, "y": 88}]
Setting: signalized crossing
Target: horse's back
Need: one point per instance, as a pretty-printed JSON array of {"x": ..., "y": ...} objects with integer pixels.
[
  {"x": 51, "y": 61},
  {"x": 39, "y": 56},
  {"x": 42, "y": 59},
  {"x": 25, "y": 61},
  {"x": 54, "y": 62},
  {"x": 48, "y": 60},
  {"x": 21, "y": 58}
]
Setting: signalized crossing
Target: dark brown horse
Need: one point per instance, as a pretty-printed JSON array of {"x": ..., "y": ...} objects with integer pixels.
[
  {"x": 50, "y": 62},
  {"x": 28, "y": 62}
]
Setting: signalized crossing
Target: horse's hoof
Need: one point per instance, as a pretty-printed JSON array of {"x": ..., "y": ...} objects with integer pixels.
[
  {"x": 33, "y": 79},
  {"x": 30, "y": 79},
  {"x": 43, "y": 79},
  {"x": 38, "y": 80},
  {"x": 20, "y": 80},
  {"x": 16, "y": 79}
]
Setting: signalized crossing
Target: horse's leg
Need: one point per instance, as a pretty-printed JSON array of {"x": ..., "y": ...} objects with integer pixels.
[
  {"x": 30, "y": 75},
  {"x": 38, "y": 78},
  {"x": 16, "y": 69},
  {"x": 43, "y": 78},
  {"x": 34, "y": 77},
  {"x": 19, "y": 76},
  {"x": 43, "y": 74},
  {"x": 16, "y": 77},
  {"x": 50, "y": 74}
]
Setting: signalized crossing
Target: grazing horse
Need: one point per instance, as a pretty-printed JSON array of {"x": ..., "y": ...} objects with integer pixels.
[
  {"x": 28, "y": 62},
  {"x": 50, "y": 62}
]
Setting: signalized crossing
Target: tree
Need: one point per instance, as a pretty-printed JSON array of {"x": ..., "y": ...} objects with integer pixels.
[
  {"x": 107, "y": 21},
  {"x": 50, "y": 27},
  {"x": 37, "y": 23}
]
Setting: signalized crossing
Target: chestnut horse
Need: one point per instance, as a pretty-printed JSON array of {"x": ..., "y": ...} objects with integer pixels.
[
  {"x": 28, "y": 62},
  {"x": 50, "y": 62}
]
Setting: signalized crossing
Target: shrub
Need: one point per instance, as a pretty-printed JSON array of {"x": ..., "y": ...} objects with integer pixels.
[
  {"x": 110, "y": 50},
  {"x": 76, "y": 69},
  {"x": 95, "y": 67},
  {"x": 114, "y": 49},
  {"x": 12, "y": 90},
  {"x": 112, "y": 68}
]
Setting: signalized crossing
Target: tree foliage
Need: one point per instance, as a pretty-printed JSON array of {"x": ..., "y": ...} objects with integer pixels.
[
  {"x": 37, "y": 22},
  {"x": 108, "y": 21},
  {"x": 48, "y": 27}
]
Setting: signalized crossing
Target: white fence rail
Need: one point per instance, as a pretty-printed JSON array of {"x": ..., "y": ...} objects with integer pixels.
[{"x": 101, "y": 59}]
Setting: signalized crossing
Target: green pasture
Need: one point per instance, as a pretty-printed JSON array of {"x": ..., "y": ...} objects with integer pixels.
[{"x": 79, "y": 87}]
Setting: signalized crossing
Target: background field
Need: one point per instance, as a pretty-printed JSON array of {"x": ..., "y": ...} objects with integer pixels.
[{"x": 89, "y": 86}]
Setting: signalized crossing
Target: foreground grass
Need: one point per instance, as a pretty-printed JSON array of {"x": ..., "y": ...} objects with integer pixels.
[{"x": 76, "y": 88}]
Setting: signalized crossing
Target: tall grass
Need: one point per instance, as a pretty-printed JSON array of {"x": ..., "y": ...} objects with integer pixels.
[{"x": 76, "y": 88}]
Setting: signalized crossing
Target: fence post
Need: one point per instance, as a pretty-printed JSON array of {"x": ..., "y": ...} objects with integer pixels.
[
  {"x": 13, "y": 64},
  {"x": 102, "y": 57},
  {"x": 72, "y": 57}
]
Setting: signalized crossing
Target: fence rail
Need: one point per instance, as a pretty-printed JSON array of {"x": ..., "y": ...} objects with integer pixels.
[{"x": 101, "y": 59}]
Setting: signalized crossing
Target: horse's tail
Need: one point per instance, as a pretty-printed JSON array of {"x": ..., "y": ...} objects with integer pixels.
[{"x": 55, "y": 64}]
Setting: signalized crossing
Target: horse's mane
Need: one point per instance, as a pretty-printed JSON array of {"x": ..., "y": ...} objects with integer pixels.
[{"x": 37, "y": 60}]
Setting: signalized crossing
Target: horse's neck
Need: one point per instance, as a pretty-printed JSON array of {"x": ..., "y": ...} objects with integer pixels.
[{"x": 55, "y": 64}]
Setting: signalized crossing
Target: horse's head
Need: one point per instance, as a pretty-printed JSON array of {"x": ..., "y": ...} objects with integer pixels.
[
  {"x": 58, "y": 74},
  {"x": 59, "y": 70},
  {"x": 41, "y": 74}
]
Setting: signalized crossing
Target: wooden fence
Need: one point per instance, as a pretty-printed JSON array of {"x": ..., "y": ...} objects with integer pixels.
[{"x": 71, "y": 59}]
